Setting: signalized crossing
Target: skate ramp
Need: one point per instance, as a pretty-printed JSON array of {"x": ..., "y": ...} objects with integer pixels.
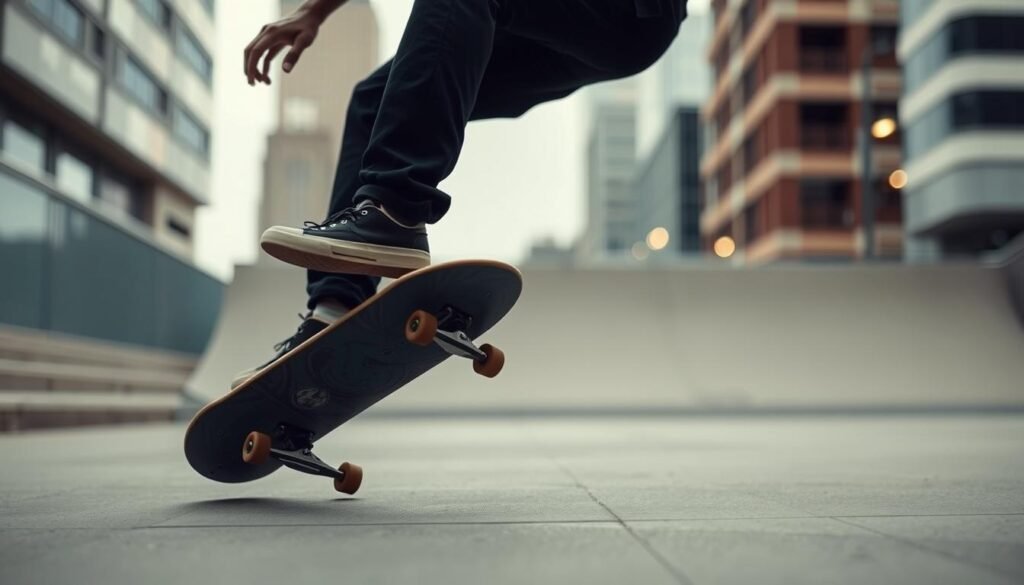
[
  {"x": 702, "y": 339},
  {"x": 261, "y": 307}
]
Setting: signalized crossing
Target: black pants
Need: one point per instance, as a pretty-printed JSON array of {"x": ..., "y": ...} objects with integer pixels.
[{"x": 462, "y": 60}]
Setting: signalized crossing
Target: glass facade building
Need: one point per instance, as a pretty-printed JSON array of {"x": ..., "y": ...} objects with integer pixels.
[
  {"x": 668, "y": 184},
  {"x": 68, "y": 270}
]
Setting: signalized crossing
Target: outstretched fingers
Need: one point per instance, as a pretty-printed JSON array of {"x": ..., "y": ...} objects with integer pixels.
[
  {"x": 264, "y": 76},
  {"x": 264, "y": 42},
  {"x": 248, "y": 53},
  {"x": 302, "y": 41}
]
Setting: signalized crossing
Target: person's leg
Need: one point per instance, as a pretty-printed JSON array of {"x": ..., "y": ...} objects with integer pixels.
[
  {"x": 430, "y": 94},
  {"x": 351, "y": 289},
  {"x": 548, "y": 48}
]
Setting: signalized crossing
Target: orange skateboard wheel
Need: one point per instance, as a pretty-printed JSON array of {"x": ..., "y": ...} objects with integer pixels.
[
  {"x": 420, "y": 328},
  {"x": 256, "y": 448},
  {"x": 352, "y": 480},
  {"x": 493, "y": 364}
]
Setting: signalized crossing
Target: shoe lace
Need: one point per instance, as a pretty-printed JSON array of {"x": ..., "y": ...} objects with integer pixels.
[
  {"x": 343, "y": 216},
  {"x": 285, "y": 344}
]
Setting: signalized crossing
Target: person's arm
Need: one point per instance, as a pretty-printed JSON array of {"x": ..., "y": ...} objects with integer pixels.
[{"x": 297, "y": 31}]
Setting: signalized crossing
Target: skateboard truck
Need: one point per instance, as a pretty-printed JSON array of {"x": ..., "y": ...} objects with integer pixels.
[
  {"x": 448, "y": 331},
  {"x": 294, "y": 448}
]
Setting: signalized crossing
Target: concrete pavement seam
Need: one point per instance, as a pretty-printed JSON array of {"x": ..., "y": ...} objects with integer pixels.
[
  {"x": 679, "y": 575},
  {"x": 955, "y": 558}
]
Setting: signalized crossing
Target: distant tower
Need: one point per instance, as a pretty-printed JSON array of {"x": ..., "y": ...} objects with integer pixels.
[
  {"x": 303, "y": 151},
  {"x": 610, "y": 159},
  {"x": 668, "y": 144}
]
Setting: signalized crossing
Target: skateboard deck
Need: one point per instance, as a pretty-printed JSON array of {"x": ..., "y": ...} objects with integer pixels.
[{"x": 352, "y": 364}]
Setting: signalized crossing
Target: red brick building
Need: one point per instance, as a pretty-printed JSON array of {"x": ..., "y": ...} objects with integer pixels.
[{"x": 781, "y": 171}]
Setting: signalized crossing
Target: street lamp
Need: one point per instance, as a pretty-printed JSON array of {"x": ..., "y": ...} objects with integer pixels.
[{"x": 869, "y": 129}]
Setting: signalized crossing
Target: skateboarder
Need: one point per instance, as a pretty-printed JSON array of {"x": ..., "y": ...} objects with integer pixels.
[{"x": 458, "y": 60}]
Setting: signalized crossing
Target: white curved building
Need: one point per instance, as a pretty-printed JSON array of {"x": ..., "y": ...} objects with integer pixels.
[{"x": 962, "y": 113}]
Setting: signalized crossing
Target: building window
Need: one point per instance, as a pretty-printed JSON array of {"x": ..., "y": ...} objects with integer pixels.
[
  {"x": 157, "y": 12},
  {"x": 118, "y": 196},
  {"x": 751, "y": 223},
  {"x": 722, "y": 118},
  {"x": 70, "y": 21},
  {"x": 178, "y": 227},
  {"x": 190, "y": 132},
  {"x": 992, "y": 110},
  {"x": 24, "y": 146},
  {"x": 823, "y": 49},
  {"x": 751, "y": 152},
  {"x": 824, "y": 127},
  {"x": 141, "y": 85},
  {"x": 888, "y": 202},
  {"x": 99, "y": 43},
  {"x": 64, "y": 18},
  {"x": 748, "y": 14},
  {"x": 724, "y": 179},
  {"x": 749, "y": 83},
  {"x": 74, "y": 177},
  {"x": 192, "y": 53},
  {"x": 883, "y": 40},
  {"x": 825, "y": 204},
  {"x": 987, "y": 35}
]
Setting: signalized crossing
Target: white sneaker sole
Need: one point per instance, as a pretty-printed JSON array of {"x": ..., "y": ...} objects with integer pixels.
[{"x": 328, "y": 255}]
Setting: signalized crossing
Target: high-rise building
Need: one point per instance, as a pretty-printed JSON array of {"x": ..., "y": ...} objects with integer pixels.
[
  {"x": 105, "y": 112},
  {"x": 682, "y": 77},
  {"x": 782, "y": 174},
  {"x": 667, "y": 187},
  {"x": 302, "y": 153},
  {"x": 609, "y": 166},
  {"x": 667, "y": 179},
  {"x": 963, "y": 117}
]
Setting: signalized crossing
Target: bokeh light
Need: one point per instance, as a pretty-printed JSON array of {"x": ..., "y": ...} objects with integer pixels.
[
  {"x": 657, "y": 238},
  {"x": 640, "y": 251},
  {"x": 725, "y": 247},
  {"x": 898, "y": 179},
  {"x": 883, "y": 128}
]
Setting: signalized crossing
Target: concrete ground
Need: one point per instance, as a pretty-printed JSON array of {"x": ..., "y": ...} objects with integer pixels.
[{"x": 927, "y": 499}]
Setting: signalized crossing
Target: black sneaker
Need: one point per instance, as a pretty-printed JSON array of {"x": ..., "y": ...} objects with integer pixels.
[
  {"x": 307, "y": 329},
  {"x": 364, "y": 239}
]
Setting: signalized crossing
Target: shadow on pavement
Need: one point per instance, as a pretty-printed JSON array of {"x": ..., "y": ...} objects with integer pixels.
[{"x": 262, "y": 505}]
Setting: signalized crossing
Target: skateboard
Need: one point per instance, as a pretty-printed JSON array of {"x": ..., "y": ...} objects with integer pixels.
[{"x": 409, "y": 327}]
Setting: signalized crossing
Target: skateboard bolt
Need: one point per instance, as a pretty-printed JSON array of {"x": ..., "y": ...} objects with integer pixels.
[
  {"x": 249, "y": 446},
  {"x": 415, "y": 325}
]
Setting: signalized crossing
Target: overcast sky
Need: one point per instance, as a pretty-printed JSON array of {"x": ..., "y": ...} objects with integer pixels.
[{"x": 516, "y": 181}]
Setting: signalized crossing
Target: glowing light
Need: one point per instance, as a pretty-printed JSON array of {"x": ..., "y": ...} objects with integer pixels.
[
  {"x": 883, "y": 128},
  {"x": 657, "y": 238},
  {"x": 725, "y": 247},
  {"x": 640, "y": 251},
  {"x": 898, "y": 179}
]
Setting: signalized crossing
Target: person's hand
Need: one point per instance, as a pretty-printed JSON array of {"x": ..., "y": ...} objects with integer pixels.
[{"x": 296, "y": 31}]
